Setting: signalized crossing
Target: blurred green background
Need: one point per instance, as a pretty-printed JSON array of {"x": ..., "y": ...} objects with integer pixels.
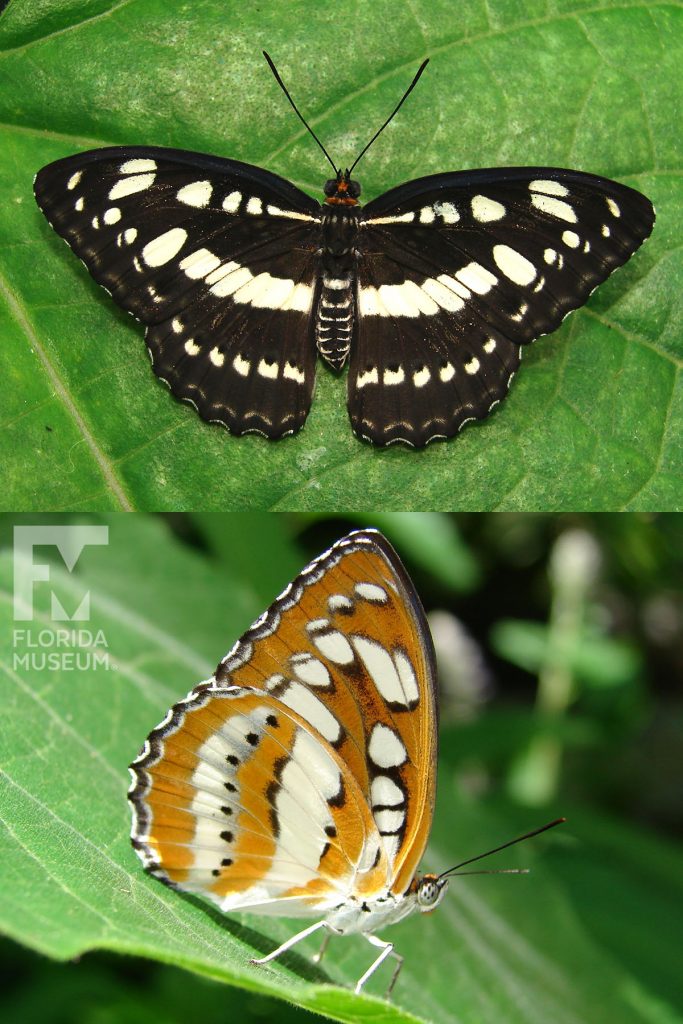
[{"x": 560, "y": 650}]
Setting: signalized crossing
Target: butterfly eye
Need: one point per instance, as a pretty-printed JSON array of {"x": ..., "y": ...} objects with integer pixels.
[{"x": 430, "y": 890}]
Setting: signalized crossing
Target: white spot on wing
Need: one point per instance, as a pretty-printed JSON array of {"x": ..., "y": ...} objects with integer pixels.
[
  {"x": 427, "y": 215},
  {"x": 385, "y": 748},
  {"x": 421, "y": 377},
  {"x": 385, "y": 792},
  {"x": 383, "y": 671},
  {"x": 367, "y": 377},
  {"x": 302, "y": 700},
  {"x": 320, "y": 765},
  {"x": 443, "y": 296},
  {"x": 550, "y": 255},
  {"x": 371, "y": 592},
  {"x": 164, "y": 247},
  {"x": 227, "y": 279},
  {"x": 554, "y": 207},
  {"x": 472, "y": 366},
  {"x": 477, "y": 278},
  {"x": 128, "y": 186},
  {"x": 447, "y": 212},
  {"x": 613, "y": 208},
  {"x": 275, "y": 211},
  {"x": 389, "y": 821},
  {"x": 369, "y": 303},
  {"x": 515, "y": 266},
  {"x": 78, "y": 205},
  {"x": 455, "y": 286},
  {"x": 402, "y": 218},
  {"x": 551, "y": 188},
  {"x": 74, "y": 180},
  {"x": 241, "y": 365},
  {"x": 571, "y": 239},
  {"x": 268, "y": 370},
  {"x": 138, "y": 166},
  {"x": 300, "y": 298},
  {"x": 485, "y": 209},
  {"x": 231, "y": 203},
  {"x": 197, "y": 193},
  {"x": 310, "y": 670},
  {"x": 191, "y": 348},
  {"x": 334, "y": 646},
  {"x": 254, "y": 206},
  {"x": 397, "y": 299},
  {"x": 199, "y": 263},
  {"x": 265, "y": 291},
  {"x": 112, "y": 215},
  {"x": 490, "y": 346},
  {"x": 390, "y": 377},
  {"x": 447, "y": 373},
  {"x": 292, "y": 372},
  {"x": 216, "y": 357}
]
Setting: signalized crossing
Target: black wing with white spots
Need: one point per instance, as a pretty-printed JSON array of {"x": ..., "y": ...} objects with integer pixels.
[
  {"x": 217, "y": 258},
  {"x": 432, "y": 288},
  {"x": 457, "y": 271}
]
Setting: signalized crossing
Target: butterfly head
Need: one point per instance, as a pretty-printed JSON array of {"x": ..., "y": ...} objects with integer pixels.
[
  {"x": 342, "y": 189},
  {"x": 429, "y": 891}
]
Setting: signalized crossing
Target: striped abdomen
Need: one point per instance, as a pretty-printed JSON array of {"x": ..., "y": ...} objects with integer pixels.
[{"x": 334, "y": 319}]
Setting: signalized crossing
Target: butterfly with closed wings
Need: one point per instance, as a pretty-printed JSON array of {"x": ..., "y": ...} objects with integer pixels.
[
  {"x": 299, "y": 780},
  {"x": 430, "y": 291}
]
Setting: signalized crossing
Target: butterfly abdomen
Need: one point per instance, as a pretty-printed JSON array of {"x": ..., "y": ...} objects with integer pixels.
[{"x": 335, "y": 315}]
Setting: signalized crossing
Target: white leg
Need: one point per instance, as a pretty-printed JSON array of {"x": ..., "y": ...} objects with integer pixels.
[
  {"x": 317, "y": 957},
  {"x": 387, "y": 950},
  {"x": 289, "y": 943}
]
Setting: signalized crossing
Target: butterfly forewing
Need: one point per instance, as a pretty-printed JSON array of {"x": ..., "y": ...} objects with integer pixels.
[
  {"x": 458, "y": 271},
  {"x": 216, "y": 257},
  {"x": 304, "y": 772}
]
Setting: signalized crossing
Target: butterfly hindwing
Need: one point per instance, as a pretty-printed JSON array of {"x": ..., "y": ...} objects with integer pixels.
[
  {"x": 236, "y": 798},
  {"x": 216, "y": 257},
  {"x": 458, "y": 270}
]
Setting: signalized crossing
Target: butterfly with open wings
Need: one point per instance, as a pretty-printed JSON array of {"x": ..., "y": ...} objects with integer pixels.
[
  {"x": 300, "y": 779},
  {"x": 429, "y": 292}
]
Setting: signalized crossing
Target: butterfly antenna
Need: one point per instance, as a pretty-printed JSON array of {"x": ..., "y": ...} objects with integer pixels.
[
  {"x": 296, "y": 109},
  {"x": 519, "y": 839},
  {"x": 406, "y": 94}
]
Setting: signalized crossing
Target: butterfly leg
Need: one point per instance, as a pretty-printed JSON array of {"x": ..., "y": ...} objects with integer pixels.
[
  {"x": 387, "y": 950},
  {"x": 317, "y": 957},
  {"x": 289, "y": 943}
]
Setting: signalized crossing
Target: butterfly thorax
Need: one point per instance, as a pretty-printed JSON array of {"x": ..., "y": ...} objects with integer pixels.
[
  {"x": 366, "y": 917},
  {"x": 335, "y": 315},
  {"x": 424, "y": 894}
]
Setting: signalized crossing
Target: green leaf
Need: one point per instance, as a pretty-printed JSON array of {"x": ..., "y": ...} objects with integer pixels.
[
  {"x": 595, "y": 416},
  {"x": 596, "y": 660},
  {"x": 498, "y": 949}
]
